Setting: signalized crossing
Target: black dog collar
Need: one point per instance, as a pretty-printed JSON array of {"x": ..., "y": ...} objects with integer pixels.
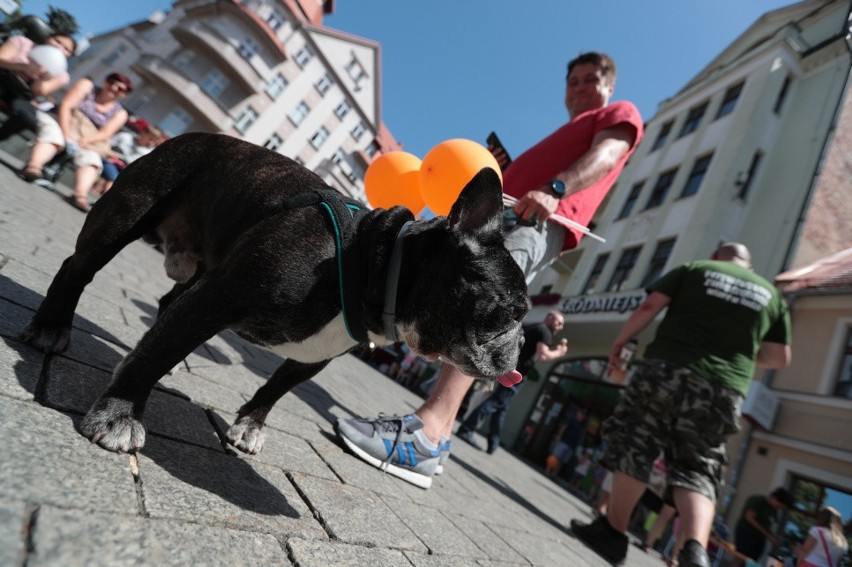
[{"x": 389, "y": 312}]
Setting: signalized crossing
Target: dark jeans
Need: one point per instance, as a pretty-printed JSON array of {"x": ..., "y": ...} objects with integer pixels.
[
  {"x": 495, "y": 405},
  {"x": 22, "y": 116}
]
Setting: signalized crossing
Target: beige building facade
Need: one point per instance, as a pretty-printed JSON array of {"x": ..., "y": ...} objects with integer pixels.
[{"x": 266, "y": 71}]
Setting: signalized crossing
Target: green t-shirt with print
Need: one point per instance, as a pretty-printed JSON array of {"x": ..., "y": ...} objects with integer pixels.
[{"x": 719, "y": 314}]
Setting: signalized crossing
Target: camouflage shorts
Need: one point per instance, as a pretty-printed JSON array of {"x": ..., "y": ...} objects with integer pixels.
[{"x": 672, "y": 411}]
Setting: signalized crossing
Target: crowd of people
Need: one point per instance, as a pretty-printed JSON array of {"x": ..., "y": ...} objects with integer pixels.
[
  {"x": 694, "y": 375},
  {"x": 81, "y": 124}
]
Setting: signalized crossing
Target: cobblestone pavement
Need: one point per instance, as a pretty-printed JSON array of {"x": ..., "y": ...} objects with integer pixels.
[{"x": 187, "y": 499}]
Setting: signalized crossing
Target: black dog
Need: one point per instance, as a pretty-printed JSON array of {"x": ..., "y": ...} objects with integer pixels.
[{"x": 261, "y": 245}]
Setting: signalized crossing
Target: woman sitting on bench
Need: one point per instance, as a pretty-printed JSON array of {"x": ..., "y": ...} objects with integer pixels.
[{"x": 88, "y": 117}]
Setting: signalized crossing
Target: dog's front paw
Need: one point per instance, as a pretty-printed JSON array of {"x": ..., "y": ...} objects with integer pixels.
[
  {"x": 112, "y": 425},
  {"x": 45, "y": 338},
  {"x": 246, "y": 435}
]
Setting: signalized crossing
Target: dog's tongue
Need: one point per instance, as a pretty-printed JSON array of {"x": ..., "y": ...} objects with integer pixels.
[{"x": 510, "y": 378}]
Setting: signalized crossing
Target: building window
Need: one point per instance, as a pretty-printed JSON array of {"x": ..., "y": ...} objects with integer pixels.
[
  {"x": 809, "y": 496},
  {"x": 319, "y": 137},
  {"x": 665, "y": 130},
  {"x": 176, "y": 123},
  {"x": 275, "y": 21},
  {"x": 623, "y": 269},
  {"x": 661, "y": 189},
  {"x": 246, "y": 118},
  {"x": 214, "y": 82},
  {"x": 843, "y": 389},
  {"x": 358, "y": 131},
  {"x": 372, "y": 148},
  {"x": 696, "y": 176},
  {"x": 248, "y": 48},
  {"x": 323, "y": 85},
  {"x": 630, "y": 202},
  {"x": 342, "y": 109},
  {"x": 658, "y": 261},
  {"x": 730, "y": 100},
  {"x": 183, "y": 59},
  {"x": 338, "y": 156},
  {"x": 110, "y": 59},
  {"x": 303, "y": 56},
  {"x": 595, "y": 274},
  {"x": 276, "y": 86},
  {"x": 693, "y": 119},
  {"x": 273, "y": 143},
  {"x": 356, "y": 72},
  {"x": 299, "y": 112},
  {"x": 745, "y": 184},
  {"x": 782, "y": 95}
]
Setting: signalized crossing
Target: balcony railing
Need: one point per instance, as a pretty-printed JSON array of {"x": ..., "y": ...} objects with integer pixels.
[{"x": 171, "y": 80}]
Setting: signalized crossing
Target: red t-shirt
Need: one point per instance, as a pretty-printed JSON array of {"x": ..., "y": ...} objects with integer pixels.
[{"x": 538, "y": 165}]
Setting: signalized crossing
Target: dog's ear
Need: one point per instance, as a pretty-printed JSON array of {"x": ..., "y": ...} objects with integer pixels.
[{"x": 479, "y": 207}]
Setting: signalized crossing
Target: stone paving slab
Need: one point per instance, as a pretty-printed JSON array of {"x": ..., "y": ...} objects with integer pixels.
[
  {"x": 21, "y": 368},
  {"x": 63, "y": 538},
  {"x": 75, "y": 387},
  {"x": 321, "y": 554},
  {"x": 357, "y": 516},
  {"x": 190, "y": 483},
  {"x": 13, "y": 518},
  {"x": 45, "y": 460}
]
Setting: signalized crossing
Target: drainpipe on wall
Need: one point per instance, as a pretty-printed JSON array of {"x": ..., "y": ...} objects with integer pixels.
[
  {"x": 739, "y": 463},
  {"x": 846, "y": 33}
]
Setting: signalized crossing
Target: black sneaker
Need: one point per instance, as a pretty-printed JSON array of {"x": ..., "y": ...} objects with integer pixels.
[
  {"x": 602, "y": 538},
  {"x": 693, "y": 554}
]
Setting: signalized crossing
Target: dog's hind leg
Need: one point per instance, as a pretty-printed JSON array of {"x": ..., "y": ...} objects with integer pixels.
[
  {"x": 107, "y": 230},
  {"x": 247, "y": 432},
  {"x": 114, "y": 420}
]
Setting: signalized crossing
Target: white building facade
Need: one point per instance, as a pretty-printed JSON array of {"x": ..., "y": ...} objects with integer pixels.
[{"x": 266, "y": 71}]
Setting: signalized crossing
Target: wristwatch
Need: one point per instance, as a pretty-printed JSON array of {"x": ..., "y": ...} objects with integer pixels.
[{"x": 558, "y": 188}]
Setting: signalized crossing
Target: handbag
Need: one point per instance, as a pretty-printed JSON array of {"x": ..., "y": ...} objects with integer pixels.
[{"x": 81, "y": 126}]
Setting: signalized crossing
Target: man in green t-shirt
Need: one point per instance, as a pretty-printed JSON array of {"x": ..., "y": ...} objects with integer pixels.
[
  {"x": 723, "y": 320},
  {"x": 757, "y": 522}
]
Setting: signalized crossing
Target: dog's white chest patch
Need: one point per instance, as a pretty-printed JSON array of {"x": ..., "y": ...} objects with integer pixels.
[{"x": 332, "y": 340}]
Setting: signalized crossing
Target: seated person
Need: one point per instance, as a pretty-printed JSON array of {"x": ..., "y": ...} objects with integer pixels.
[
  {"x": 88, "y": 117},
  {"x": 22, "y": 81},
  {"x": 127, "y": 148}
]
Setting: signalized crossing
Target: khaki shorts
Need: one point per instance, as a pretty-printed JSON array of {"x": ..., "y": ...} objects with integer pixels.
[
  {"x": 535, "y": 247},
  {"x": 671, "y": 410},
  {"x": 50, "y": 132}
]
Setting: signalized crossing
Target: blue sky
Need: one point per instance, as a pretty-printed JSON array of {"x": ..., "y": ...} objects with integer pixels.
[{"x": 461, "y": 68}]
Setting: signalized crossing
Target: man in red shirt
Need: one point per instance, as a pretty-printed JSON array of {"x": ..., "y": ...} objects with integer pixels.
[{"x": 568, "y": 173}]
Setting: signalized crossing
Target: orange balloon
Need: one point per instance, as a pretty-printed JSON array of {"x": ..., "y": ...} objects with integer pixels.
[
  {"x": 393, "y": 179},
  {"x": 448, "y": 167}
]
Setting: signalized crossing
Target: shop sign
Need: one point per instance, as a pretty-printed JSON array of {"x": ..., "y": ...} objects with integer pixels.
[
  {"x": 760, "y": 405},
  {"x": 611, "y": 303}
]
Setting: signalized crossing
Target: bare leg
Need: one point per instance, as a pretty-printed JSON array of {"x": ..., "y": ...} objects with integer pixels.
[
  {"x": 626, "y": 492},
  {"x": 84, "y": 179},
  {"x": 41, "y": 153},
  {"x": 439, "y": 410},
  {"x": 696, "y": 512}
]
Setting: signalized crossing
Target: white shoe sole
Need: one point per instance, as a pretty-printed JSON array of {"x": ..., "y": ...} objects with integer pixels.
[{"x": 414, "y": 478}]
